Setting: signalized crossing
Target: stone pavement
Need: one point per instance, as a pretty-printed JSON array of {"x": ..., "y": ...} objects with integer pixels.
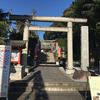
[{"x": 47, "y": 74}]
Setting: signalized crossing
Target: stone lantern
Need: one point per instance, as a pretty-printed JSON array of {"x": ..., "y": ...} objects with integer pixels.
[{"x": 63, "y": 52}]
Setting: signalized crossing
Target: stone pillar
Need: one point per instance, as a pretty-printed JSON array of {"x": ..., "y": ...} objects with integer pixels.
[
  {"x": 84, "y": 48},
  {"x": 25, "y": 37},
  {"x": 70, "y": 49}
]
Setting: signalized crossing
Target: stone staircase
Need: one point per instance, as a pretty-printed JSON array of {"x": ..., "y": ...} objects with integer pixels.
[
  {"x": 46, "y": 59},
  {"x": 47, "y": 83},
  {"x": 19, "y": 90}
]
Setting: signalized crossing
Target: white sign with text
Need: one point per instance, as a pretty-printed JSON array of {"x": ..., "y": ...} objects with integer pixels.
[{"x": 5, "y": 57}]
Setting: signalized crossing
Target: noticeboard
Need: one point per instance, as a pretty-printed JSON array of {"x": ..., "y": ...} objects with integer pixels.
[
  {"x": 5, "y": 57},
  {"x": 15, "y": 55},
  {"x": 94, "y": 82}
]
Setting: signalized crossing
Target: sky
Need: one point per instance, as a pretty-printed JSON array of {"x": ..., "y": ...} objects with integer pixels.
[{"x": 52, "y": 8}]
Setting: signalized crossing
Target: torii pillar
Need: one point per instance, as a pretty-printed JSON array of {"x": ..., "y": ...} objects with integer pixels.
[
  {"x": 25, "y": 37},
  {"x": 70, "y": 48}
]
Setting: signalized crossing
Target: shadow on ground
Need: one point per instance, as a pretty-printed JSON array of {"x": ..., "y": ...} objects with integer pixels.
[
  {"x": 35, "y": 93},
  {"x": 88, "y": 95}
]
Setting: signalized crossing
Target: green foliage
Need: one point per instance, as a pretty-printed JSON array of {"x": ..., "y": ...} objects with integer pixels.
[
  {"x": 19, "y": 27},
  {"x": 3, "y": 27},
  {"x": 55, "y": 35},
  {"x": 15, "y": 36},
  {"x": 62, "y": 43},
  {"x": 92, "y": 12},
  {"x": 2, "y": 40},
  {"x": 67, "y": 12},
  {"x": 33, "y": 34},
  {"x": 17, "y": 33},
  {"x": 97, "y": 30},
  {"x": 76, "y": 41},
  {"x": 89, "y": 9},
  {"x": 46, "y": 36},
  {"x": 93, "y": 15}
]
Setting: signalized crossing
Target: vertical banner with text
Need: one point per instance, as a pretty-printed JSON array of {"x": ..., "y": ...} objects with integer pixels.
[
  {"x": 59, "y": 52},
  {"x": 5, "y": 58},
  {"x": 57, "y": 48},
  {"x": 56, "y": 45}
]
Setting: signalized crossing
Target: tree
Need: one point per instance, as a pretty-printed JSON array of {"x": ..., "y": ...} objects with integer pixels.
[
  {"x": 93, "y": 15},
  {"x": 53, "y": 35},
  {"x": 89, "y": 9},
  {"x": 3, "y": 27},
  {"x": 17, "y": 32}
]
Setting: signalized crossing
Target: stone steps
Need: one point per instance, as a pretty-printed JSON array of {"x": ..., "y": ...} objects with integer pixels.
[
  {"x": 45, "y": 96},
  {"x": 46, "y": 57},
  {"x": 53, "y": 90},
  {"x": 37, "y": 87},
  {"x": 31, "y": 84},
  {"x": 46, "y": 64}
]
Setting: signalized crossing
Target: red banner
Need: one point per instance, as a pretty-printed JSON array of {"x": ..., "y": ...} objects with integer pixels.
[
  {"x": 56, "y": 45},
  {"x": 59, "y": 52},
  {"x": 36, "y": 50}
]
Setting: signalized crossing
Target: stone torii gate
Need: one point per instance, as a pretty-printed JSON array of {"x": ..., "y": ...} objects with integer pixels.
[
  {"x": 47, "y": 47},
  {"x": 68, "y": 29}
]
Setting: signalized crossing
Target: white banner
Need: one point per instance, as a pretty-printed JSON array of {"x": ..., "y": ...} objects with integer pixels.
[{"x": 5, "y": 57}]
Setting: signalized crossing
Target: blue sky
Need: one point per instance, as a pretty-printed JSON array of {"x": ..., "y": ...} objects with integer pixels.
[{"x": 52, "y": 8}]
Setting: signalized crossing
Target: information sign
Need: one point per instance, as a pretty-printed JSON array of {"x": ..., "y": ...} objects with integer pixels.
[
  {"x": 94, "y": 82},
  {"x": 5, "y": 57},
  {"x": 14, "y": 55}
]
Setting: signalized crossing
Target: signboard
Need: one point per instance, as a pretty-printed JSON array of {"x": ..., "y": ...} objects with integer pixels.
[
  {"x": 59, "y": 52},
  {"x": 94, "y": 82},
  {"x": 5, "y": 57},
  {"x": 14, "y": 55},
  {"x": 56, "y": 45}
]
